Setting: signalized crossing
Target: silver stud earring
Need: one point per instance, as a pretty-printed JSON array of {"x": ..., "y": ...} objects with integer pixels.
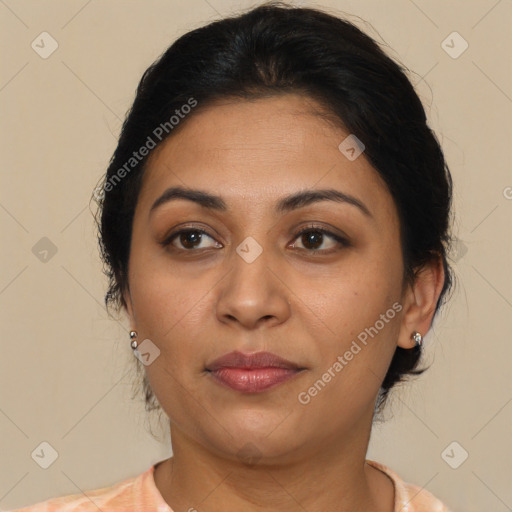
[
  {"x": 133, "y": 338},
  {"x": 417, "y": 337}
]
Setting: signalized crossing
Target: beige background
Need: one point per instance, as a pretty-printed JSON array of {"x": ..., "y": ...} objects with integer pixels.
[{"x": 66, "y": 368}]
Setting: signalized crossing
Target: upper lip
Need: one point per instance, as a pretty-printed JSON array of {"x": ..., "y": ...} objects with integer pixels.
[{"x": 238, "y": 359}]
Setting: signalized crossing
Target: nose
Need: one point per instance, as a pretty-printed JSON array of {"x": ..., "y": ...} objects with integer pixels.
[{"x": 253, "y": 293}]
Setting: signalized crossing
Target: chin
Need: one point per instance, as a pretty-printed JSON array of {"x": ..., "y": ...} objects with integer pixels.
[{"x": 266, "y": 443}]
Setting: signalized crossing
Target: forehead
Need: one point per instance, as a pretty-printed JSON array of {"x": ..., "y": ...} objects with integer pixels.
[{"x": 257, "y": 151}]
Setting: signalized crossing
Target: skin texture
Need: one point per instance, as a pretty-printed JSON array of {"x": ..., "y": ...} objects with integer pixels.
[{"x": 302, "y": 305}]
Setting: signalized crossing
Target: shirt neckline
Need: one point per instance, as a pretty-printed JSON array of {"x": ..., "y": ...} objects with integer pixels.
[{"x": 399, "y": 490}]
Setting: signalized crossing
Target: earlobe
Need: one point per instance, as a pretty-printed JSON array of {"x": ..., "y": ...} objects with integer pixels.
[{"x": 420, "y": 302}]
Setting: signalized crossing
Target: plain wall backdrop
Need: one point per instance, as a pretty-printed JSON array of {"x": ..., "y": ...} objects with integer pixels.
[{"x": 66, "y": 368}]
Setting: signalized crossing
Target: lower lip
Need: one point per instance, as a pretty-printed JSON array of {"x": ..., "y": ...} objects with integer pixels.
[{"x": 255, "y": 380}]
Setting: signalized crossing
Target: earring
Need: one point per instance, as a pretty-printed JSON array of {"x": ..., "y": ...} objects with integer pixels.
[
  {"x": 418, "y": 338},
  {"x": 133, "y": 338}
]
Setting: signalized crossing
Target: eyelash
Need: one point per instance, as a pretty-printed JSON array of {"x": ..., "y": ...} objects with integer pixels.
[{"x": 311, "y": 228}]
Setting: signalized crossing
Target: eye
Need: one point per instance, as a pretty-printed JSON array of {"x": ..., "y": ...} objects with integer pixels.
[
  {"x": 313, "y": 237},
  {"x": 189, "y": 239}
]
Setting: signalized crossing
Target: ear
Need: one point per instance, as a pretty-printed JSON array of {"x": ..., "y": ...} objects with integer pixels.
[
  {"x": 420, "y": 301},
  {"x": 129, "y": 308}
]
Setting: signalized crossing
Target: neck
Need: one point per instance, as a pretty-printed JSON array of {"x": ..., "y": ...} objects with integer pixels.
[{"x": 334, "y": 477}]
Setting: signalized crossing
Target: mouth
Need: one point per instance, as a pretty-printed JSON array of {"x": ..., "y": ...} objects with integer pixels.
[{"x": 252, "y": 373}]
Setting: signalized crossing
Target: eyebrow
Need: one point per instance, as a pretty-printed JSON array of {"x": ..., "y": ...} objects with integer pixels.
[{"x": 285, "y": 204}]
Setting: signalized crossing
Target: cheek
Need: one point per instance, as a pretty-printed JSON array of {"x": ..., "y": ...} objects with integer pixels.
[
  {"x": 168, "y": 308},
  {"x": 172, "y": 309},
  {"x": 360, "y": 320},
  {"x": 165, "y": 299},
  {"x": 359, "y": 294}
]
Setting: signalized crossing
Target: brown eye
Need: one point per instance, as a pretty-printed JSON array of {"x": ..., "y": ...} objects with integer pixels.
[
  {"x": 189, "y": 239},
  {"x": 313, "y": 238}
]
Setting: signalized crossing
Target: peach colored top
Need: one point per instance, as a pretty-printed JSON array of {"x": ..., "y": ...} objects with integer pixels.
[{"x": 140, "y": 494}]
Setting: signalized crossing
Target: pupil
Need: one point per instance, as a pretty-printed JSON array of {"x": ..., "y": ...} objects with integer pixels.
[
  {"x": 311, "y": 238},
  {"x": 190, "y": 238}
]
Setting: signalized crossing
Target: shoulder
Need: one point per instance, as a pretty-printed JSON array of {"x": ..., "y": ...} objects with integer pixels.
[
  {"x": 410, "y": 497},
  {"x": 138, "y": 491}
]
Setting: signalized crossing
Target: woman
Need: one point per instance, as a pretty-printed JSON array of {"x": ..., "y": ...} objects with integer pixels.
[{"x": 274, "y": 221}]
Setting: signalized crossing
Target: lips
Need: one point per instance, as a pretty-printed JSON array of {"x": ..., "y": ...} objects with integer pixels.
[
  {"x": 251, "y": 361},
  {"x": 252, "y": 373}
]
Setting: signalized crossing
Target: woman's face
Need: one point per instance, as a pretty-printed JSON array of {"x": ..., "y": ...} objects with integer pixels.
[{"x": 243, "y": 279}]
